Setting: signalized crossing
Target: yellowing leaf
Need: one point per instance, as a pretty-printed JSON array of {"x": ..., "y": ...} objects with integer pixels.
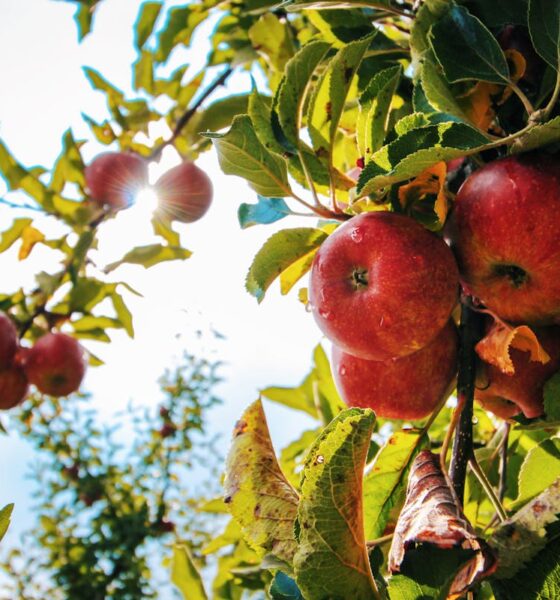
[
  {"x": 430, "y": 182},
  {"x": 494, "y": 347},
  {"x": 290, "y": 276},
  {"x": 256, "y": 491},
  {"x": 29, "y": 237},
  {"x": 185, "y": 575}
]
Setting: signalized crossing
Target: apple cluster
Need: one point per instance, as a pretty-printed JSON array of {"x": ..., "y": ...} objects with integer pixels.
[
  {"x": 114, "y": 178},
  {"x": 383, "y": 288},
  {"x": 55, "y": 364}
]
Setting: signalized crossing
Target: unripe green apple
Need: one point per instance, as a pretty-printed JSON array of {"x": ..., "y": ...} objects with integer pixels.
[
  {"x": 13, "y": 387},
  {"x": 522, "y": 392},
  {"x": 409, "y": 387},
  {"x": 55, "y": 364},
  {"x": 382, "y": 286},
  {"x": 8, "y": 341},
  {"x": 504, "y": 231},
  {"x": 114, "y": 178},
  {"x": 184, "y": 193}
]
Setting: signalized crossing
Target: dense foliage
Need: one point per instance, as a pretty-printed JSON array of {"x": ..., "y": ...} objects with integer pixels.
[{"x": 356, "y": 107}]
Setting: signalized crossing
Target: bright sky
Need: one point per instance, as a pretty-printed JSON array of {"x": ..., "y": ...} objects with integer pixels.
[{"x": 44, "y": 92}]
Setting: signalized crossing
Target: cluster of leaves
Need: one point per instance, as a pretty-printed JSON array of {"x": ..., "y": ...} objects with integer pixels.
[{"x": 109, "y": 509}]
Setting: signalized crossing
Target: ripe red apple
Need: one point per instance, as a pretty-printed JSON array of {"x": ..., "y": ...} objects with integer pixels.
[
  {"x": 184, "y": 193},
  {"x": 504, "y": 231},
  {"x": 55, "y": 364},
  {"x": 114, "y": 178},
  {"x": 509, "y": 395},
  {"x": 409, "y": 387},
  {"x": 8, "y": 341},
  {"x": 382, "y": 286},
  {"x": 13, "y": 387}
]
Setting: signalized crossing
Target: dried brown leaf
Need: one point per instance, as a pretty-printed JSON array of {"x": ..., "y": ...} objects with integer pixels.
[{"x": 431, "y": 515}]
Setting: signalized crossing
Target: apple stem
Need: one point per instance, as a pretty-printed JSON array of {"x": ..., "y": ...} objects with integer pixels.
[{"x": 470, "y": 332}]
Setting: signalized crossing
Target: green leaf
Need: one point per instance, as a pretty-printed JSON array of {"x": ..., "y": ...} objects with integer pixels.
[
  {"x": 293, "y": 456},
  {"x": 256, "y": 491},
  {"x": 417, "y": 150},
  {"x": 538, "y": 136},
  {"x": 272, "y": 37},
  {"x": 241, "y": 153},
  {"x": 520, "y": 538},
  {"x": 123, "y": 313},
  {"x": 466, "y": 49},
  {"x": 103, "y": 132},
  {"x": 11, "y": 235},
  {"x": 540, "y": 579},
  {"x": 144, "y": 72},
  {"x": 284, "y": 588},
  {"x": 499, "y": 12},
  {"x": 148, "y": 256},
  {"x": 69, "y": 167},
  {"x": 327, "y": 101},
  {"x": 280, "y": 251},
  {"x": 149, "y": 12},
  {"x": 293, "y": 87},
  {"x": 267, "y": 210},
  {"x": 164, "y": 228},
  {"x": 89, "y": 322},
  {"x": 540, "y": 469},
  {"x": 375, "y": 102},
  {"x": 331, "y": 559},
  {"x": 386, "y": 479},
  {"x": 98, "y": 82},
  {"x": 260, "y": 115},
  {"x": 427, "y": 572},
  {"x": 179, "y": 27},
  {"x": 185, "y": 575},
  {"x": 552, "y": 397},
  {"x": 544, "y": 28},
  {"x": 428, "y": 14},
  {"x": 5, "y": 518},
  {"x": 292, "y": 5},
  {"x": 84, "y": 19}
]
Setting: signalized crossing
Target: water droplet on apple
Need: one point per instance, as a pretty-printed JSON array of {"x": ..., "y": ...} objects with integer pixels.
[
  {"x": 342, "y": 371},
  {"x": 320, "y": 459},
  {"x": 325, "y": 314},
  {"x": 357, "y": 235}
]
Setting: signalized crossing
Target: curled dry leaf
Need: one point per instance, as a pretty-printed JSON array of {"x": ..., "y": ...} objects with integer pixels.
[
  {"x": 431, "y": 182},
  {"x": 431, "y": 515},
  {"x": 494, "y": 347},
  {"x": 257, "y": 493}
]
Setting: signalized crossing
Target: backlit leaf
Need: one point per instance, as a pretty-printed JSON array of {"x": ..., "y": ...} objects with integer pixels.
[
  {"x": 386, "y": 478},
  {"x": 267, "y": 210},
  {"x": 540, "y": 469},
  {"x": 148, "y": 256},
  {"x": 241, "y": 153},
  {"x": 256, "y": 491},
  {"x": 280, "y": 251},
  {"x": 149, "y": 12},
  {"x": 331, "y": 559},
  {"x": 185, "y": 575},
  {"x": 13, "y": 233},
  {"x": 5, "y": 518}
]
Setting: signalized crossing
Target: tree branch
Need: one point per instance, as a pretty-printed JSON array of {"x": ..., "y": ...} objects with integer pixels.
[
  {"x": 188, "y": 114},
  {"x": 470, "y": 332}
]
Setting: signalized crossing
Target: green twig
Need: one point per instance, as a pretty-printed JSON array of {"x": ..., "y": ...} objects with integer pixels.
[{"x": 487, "y": 486}]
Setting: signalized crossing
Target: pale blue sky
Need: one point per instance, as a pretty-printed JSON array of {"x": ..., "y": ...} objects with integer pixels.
[{"x": 44, "y": 92}]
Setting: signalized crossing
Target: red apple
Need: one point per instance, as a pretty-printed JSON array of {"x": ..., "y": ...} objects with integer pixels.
[
  {"x": 55, "y": 364},
  {"x": 114, "y": 178},
  {"x": 13, "y": 387},
  {"x": 509, "y": 395},
  {"x": 382, "y": 286},
  {"x": 409, "y": 387},
  {"x": 8, "y": 341},
  {"x": 184, "y": 193},
  {"x": 504, "y": 231}
]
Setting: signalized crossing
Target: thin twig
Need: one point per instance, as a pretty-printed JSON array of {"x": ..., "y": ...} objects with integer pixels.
[
  {"x": 503, "y": 463},
  {"x": 553, "y": 100},
  {"x": 188, "y": 114},
  {"x": 524, "y": 100},
  {"x": 487, "y": 486},
  {"x": 379, "y": 541}
]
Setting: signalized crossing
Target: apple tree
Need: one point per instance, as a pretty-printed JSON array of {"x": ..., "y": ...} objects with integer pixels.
[{"x": 422, "y": 139}]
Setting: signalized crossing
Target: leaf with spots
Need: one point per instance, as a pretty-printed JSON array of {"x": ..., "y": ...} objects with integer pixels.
[
  {"x": 256, "y": 491},
  {"x": 494, "y": 347},
  {"x": 520, "y": 538},
  {"x": 331, "y": 559}
]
